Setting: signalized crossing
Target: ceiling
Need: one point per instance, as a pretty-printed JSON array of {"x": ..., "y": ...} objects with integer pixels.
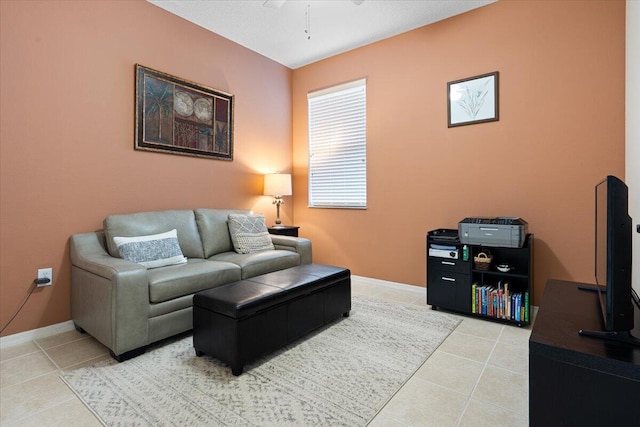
[{"x": 295, "y": 33}]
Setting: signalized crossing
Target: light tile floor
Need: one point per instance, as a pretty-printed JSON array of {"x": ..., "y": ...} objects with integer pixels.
[{"x": 477, "y": 377}]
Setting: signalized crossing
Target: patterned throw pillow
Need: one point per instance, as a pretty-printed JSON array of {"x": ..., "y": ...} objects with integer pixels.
[
  {"x": 249, "y": 233},
  {"x": 156, "y": 250}
]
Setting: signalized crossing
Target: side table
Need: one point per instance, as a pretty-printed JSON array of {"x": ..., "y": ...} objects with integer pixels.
[{"x": 284, "y": 230}]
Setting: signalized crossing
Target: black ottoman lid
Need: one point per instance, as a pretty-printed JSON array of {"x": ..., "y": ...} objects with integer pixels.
[
  {"x": 237, "y": 299},
  {"x": 303, "y": 278},
  {"x": 245, "y": 297}
]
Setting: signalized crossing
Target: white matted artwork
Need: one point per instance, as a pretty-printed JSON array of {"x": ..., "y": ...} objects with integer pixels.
[{"x": 473, "y": 100}]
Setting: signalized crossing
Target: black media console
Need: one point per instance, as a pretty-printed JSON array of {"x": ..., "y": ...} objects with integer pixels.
[{"x": 576, "y": 380}]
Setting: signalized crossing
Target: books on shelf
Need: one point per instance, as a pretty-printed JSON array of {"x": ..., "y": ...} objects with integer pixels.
[{"x": 500, "y": 302}]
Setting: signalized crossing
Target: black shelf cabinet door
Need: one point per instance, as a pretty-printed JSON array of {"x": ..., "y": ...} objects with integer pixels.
[
  {"x": 440, "y": 293},
  {"x": 449, "y": 290}
]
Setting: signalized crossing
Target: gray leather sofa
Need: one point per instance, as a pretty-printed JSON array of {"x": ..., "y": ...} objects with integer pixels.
[{"x": 126, "y": 306}]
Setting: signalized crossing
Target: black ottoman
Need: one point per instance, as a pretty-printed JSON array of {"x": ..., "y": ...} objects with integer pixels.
[{"x": 241, "y": 321}]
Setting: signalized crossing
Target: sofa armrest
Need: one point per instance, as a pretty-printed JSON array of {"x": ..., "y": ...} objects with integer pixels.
[
  {"x": 296, "y": 244},
  {"x": 88, "y": 252},
  {"x": 109, "y": 296}
]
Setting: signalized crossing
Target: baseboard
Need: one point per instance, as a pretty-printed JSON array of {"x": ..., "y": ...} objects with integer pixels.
[
  {"x": 34, "y": 334},
  {"x": 392, "y": 285}
]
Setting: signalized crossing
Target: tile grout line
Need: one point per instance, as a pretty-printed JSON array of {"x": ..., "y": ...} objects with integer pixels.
[
  {"x": 411, "y": 377},
  {"x": 58, "y": 371},
  {"x": 19, "y": 355},
  {"x": 486, "y": 363},
  {"x": 40, "y": 350},
  {"x": 46, "y": 408},
  {"x": 48, "y": 357},
  {"x": 80, "y": 338},
  {"x": 484, "y": 368},
  {"x": 29, "y": 379}
]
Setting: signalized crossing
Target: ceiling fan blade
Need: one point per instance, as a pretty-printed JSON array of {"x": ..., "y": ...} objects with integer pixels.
[
  {"x": 357, "y": 2},
  {"x": 275, "y": 4}
]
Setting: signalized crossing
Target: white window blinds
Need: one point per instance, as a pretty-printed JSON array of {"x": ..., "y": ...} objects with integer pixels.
[{"x": 338, "y": 146}]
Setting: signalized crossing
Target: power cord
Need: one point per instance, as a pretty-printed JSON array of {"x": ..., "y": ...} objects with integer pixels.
[
  {"x": 635, "y": 298},
  {"x": 35, "y": 285}
]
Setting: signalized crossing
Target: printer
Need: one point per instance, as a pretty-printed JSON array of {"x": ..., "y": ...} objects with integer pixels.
[{"x": 508, "y": 232}]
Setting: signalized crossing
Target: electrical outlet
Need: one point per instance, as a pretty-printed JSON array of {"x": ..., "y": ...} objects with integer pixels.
[{"x": 45, "y": 273}]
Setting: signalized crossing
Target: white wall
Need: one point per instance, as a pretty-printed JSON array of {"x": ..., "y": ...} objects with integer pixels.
[{"x": 632, "y": 168}]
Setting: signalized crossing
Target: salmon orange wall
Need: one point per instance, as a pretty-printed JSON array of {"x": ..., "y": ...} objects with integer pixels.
[
  {"x": 67, "y": 129},
  {"x": 561, "y": 130}
]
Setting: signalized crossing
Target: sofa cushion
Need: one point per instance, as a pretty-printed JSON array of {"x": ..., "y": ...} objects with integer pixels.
[
  {"x": 214, "y": 230},
  {"x": 145, "y": 223},
  {"x": 156, "y": 250},
  {"x": 249, "y": 233},
  {"x": 259, "y": 263},
  {"x": 174, "y": 281}
]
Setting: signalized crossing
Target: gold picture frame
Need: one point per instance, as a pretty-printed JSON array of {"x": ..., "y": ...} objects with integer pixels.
[{"x": 178, "y": 116}]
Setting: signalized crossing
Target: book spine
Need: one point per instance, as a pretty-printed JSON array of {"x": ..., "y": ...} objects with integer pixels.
[
  {"x": 507, "y": 301},
  {"x": 473, "y": 298},
  {"x": 485, "y": 298},
  {"x": 491, "y": 299},
  {"x": 491, "y": 296},
  {"x": 519, "y": 307},
  {"x": 526, "y": 307}
]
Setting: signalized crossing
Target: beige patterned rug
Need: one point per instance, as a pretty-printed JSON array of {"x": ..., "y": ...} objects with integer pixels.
[{"x": 341, "y": 375}]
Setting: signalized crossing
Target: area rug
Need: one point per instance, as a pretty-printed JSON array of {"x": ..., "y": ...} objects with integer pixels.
[{"x": 341, "y": 375}]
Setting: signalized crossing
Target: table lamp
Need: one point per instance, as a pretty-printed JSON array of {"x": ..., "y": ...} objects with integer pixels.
[{"x": 277, "y": 185}]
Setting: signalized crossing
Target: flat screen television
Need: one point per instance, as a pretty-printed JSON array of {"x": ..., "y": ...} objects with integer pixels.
[{"x": 613, "y": 264}]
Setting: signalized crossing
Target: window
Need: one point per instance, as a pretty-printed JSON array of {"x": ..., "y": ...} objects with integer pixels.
[{"x": 338, "y": 146}]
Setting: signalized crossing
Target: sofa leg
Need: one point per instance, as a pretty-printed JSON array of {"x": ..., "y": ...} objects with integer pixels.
[
  {"x": 199, "y": 353},
  {"x": 78, "y": 328},
  {"x": 346, "y": 314},
  {"x": 236, "y": 371},
  {"x": 128, "y": 354}
]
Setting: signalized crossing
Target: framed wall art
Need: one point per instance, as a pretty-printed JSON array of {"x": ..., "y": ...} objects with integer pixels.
[
  {"x": 177, "y": 116},
  {"x": 473, "y": 100}
]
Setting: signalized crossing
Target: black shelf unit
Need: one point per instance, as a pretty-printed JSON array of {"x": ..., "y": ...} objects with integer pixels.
[{"x": 454, "y": 283}]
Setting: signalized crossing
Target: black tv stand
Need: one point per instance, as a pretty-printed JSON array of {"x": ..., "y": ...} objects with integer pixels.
[
  {"x": 619, "y": 336},
  {"x": 575, "y": 380}
]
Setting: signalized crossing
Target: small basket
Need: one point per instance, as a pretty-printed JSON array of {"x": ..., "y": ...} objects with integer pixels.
[{"x": 482, "y": 261}]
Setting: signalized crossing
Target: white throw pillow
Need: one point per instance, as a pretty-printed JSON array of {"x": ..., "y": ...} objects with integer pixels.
[
  {"x": 156, "y": 250},
  {"x": 249, "y": 233}
]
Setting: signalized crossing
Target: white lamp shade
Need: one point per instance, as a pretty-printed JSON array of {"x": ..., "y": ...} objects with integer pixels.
[{"x": 277, "y": 184}]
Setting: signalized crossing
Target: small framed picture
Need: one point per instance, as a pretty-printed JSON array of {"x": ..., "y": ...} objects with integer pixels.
[{"x": 473, "y": 100}]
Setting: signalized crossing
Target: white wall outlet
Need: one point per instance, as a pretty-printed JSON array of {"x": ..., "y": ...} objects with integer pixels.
[{"x": 45, "y": 273}]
